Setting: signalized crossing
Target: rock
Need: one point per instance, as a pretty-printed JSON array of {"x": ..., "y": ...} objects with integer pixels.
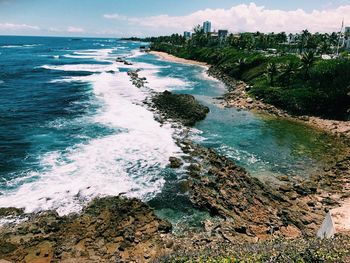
[
  {"x": 135, "y": 79},
  {"x": 285, "y": 188},
  {"x": 169, "y": 244},
  {"x": 108, "y": 227},
  {"x": 180, "y": 107},
  {"x": 283, "y": 178},
  {"x": 329, "y": 201},
  {"x": 11, "y": 211},
  {"x": 175, "y": 162},
  {"x": 290, "y": 231},
  {"x": 250, "y": 100},
  {"x": 208, "y": 225}
]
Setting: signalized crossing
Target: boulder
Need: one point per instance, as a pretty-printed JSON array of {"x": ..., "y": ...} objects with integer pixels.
[{"x": 180, "y": 107}]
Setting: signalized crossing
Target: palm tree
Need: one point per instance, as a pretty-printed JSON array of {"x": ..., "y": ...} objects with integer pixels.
[
  {"x": 241, "y": 63},
  {"x": 199, "y": 38},
  {"x": 305, "y": 35},
  {"x": 289, "y": 70},
  {"x": 307, "y": 60},
  {"x": 271, "y": 72}
]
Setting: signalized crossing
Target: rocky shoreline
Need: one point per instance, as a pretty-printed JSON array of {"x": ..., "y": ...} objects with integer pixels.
[
  {"x": 111, "y": 229},
  {"x": 237, "y": 96},
  {"x": 245, "y": 211}
]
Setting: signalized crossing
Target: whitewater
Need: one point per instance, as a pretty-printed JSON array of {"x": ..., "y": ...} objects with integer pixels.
[{"x": 128, "y": 161}]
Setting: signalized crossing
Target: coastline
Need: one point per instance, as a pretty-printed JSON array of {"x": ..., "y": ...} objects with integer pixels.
[
  {"x": 243, "y": 101},
  {"x": 172, "y": 58},
  {"x": 124, "y": 230},
  {"x": 238, "y": 97}
]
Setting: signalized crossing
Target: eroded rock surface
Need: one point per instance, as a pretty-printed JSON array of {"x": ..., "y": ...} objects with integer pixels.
[
  {"x": 253, "y": 210},
  {"x": 110, "y": 229}
]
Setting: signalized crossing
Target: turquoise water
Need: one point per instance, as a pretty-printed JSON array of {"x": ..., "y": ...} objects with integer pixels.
[
  {"x": 73, "y": 128},
  {"x": 264, "y": 145}
]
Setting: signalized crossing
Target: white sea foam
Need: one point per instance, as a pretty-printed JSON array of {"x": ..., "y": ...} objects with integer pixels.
[
  {"x": 78, "y": 56},
  {"x": 160, "y": 84},
  {"x": 81, "y": 67},
  {"x": 130, "y": 160},
  {"x": 136, "y": 53},
  {"x": 20, "y": 46}
]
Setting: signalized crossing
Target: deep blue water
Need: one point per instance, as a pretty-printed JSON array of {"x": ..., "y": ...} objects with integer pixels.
[{"x": 73, "y": 127}]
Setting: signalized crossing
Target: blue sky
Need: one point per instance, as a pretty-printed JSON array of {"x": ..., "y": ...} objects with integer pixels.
[{"x": 154, "y": 17}]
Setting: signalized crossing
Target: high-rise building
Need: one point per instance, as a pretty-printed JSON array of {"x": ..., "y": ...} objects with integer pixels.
[
  {"x": 207, "y": 27},
  {"x": 187, "y": 34}
]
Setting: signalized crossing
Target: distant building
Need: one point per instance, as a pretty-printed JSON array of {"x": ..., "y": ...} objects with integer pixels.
[
  {"x": 347, "y": 32},
  {"x": 187, "y": 34},
  {"x": 222, "y": 34},
  {"x": 347, "y": 38},
  {"x": 207, "y": 27}
]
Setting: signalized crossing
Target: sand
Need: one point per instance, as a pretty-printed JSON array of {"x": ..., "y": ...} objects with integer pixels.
[{"x": 171, "y": 58}]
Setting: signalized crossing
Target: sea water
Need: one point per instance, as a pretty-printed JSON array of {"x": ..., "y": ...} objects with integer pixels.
[{"x": 73, "y": 128}]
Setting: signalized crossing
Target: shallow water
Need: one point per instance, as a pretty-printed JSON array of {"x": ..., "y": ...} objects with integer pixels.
[{"x": 74, "y": 128}]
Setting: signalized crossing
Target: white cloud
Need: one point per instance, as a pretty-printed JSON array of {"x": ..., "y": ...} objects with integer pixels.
[
  {"x": 11, "y": 27},
  {"x": 245, "y": 18},
  {"x": 115, "y": 16},
  {"x": 73, "y": 29}
]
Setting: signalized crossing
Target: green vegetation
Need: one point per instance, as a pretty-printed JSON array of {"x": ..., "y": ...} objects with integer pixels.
[
  {"x": 288, "y": 74},
  {"x": 298, "y": 250}
]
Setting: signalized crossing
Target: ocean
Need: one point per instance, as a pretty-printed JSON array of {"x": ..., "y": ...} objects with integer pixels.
[{"x": 73, "y": 128}]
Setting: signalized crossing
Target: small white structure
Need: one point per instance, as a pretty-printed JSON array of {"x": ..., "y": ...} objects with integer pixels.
[
  {"x": 336, "y": 221},
  {"x": 326, "y": 57}
]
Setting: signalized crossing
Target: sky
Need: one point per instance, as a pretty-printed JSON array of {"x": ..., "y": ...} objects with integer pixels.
[{"x": 122, "y": 18}]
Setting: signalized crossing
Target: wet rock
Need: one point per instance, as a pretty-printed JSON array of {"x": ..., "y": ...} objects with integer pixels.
[
  {"x": 180, "y": 107},
  {"x": 175, "y": 162},
  {"x": 135, "y": 79},
  {"x": 11, "y": 211}
]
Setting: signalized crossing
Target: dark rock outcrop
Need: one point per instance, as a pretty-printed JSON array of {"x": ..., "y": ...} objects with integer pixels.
[
  {"x": 175, "y": 162},
  {"x": 136, "y": 80},
  {"x": 180, "y": 107}
]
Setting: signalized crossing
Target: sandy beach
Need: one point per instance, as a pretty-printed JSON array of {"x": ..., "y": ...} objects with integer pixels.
[{"x": 171, "y": 58}]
